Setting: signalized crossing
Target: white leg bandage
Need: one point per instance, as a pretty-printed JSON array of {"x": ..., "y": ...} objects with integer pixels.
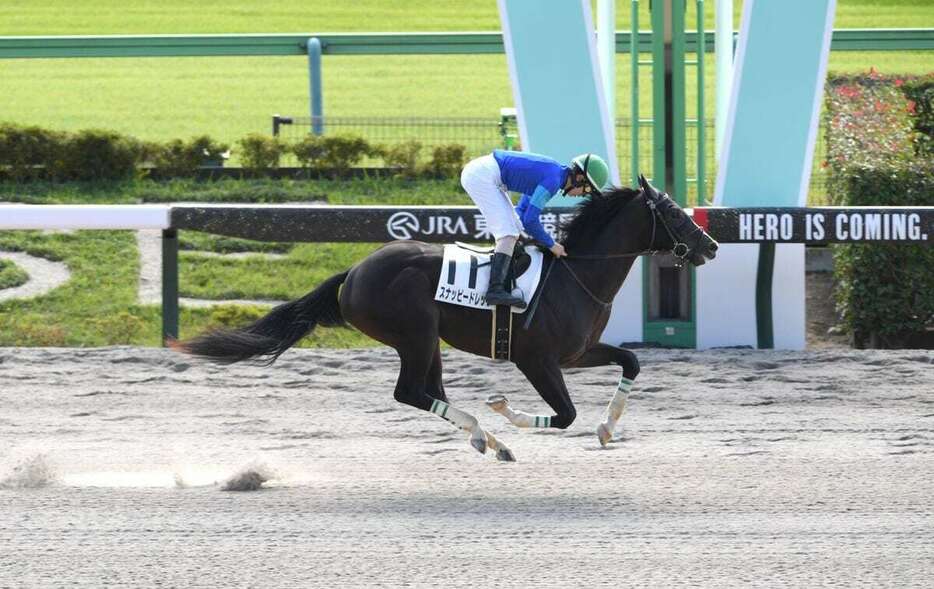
[
  {"x": 522, "y": 419},
  {"x": 614, "y": 411},
  {"x": 458, "y": 418},
  {"x": 616, "y": 407},
  {"x": 499, "y": 404}
]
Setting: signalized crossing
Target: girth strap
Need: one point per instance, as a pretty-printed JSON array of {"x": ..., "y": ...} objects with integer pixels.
[{"x": 501, "y": 341}]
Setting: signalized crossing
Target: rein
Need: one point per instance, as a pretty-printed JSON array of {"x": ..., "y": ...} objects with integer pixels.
[
  {"x": 679, "y": 250},
  {"x": 580, "y": 283}
]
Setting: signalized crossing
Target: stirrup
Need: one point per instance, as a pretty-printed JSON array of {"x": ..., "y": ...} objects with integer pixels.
[{"x": 506, "y": 298}]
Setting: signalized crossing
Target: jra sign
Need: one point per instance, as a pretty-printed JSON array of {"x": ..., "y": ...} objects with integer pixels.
[{"x": 448, "y": 224}]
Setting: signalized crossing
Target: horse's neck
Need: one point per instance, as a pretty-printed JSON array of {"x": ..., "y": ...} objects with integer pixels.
[{"x": 630, "y": 233}]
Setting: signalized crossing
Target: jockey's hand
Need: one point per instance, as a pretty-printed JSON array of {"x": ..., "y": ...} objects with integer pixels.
[{"x": 558, "y": 250}]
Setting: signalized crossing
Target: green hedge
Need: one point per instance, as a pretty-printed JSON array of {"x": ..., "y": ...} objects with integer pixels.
[
  {"x": 182, "y": 159},
  {"x": 867, "y": 124},
  {"x": 884, "y": 291},
  {"x": 260, "y": 152},
  {"x": 32, "y": 153},
  {"x": 920, "y": 95}
]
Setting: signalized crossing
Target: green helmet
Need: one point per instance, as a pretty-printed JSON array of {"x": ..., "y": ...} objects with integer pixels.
[{"x": 594, "y": 168}]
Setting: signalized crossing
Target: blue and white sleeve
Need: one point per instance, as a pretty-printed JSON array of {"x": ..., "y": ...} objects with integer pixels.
[{"x": 529, "y": 215}]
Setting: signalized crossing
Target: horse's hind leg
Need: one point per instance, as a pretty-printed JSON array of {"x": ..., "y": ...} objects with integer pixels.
[
  {"x": 435, "y": 382},
  {"x": 435, "y": 389},
  {"x": 419, "y": 385},
  {"x": 602, "y": 355}
]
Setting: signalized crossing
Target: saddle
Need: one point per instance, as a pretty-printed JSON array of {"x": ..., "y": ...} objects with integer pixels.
[
  {"x": 501, "y": 329},
  {"x": 520, "y": 260}
]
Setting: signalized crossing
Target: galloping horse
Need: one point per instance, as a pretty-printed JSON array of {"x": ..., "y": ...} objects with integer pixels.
[{"x": 390, "y": 297}]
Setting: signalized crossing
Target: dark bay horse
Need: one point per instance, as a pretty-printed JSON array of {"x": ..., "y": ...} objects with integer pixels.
[{"x": 389, "y": 296}]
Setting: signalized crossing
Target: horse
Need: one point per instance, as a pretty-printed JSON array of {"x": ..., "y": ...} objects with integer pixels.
[{"x": 389, "y": 296}]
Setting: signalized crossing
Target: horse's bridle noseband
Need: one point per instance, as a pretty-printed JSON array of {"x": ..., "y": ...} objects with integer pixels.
[{"x": 680, "y": 250}]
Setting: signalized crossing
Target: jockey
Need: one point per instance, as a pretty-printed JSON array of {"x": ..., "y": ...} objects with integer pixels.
[{"x": 537, "y": 178}]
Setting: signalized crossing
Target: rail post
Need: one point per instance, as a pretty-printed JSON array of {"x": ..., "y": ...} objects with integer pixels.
[
  {"x": 169, "y": 285},
  {"x": 701, "y": 108},
  {"x": 314, "y": 90},
  {"x": 634, "y": 89}
]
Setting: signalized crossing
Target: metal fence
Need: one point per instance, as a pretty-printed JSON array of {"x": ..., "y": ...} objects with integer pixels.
[
  {"x": 478, "y": 135},
  {"x": 482, "y": 135}
]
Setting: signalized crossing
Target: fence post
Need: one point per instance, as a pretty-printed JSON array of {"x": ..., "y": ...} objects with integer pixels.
[
  {"x": 314, "y": 78},
  {"x": 701, "y": 108},
  {"x": 169, "y": 284},
  {"x": 765, "y": 332},
  {"x": 634, "y": 95}
]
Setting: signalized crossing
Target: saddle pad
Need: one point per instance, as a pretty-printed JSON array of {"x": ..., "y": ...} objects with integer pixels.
[{"x": 465, "y": 276}]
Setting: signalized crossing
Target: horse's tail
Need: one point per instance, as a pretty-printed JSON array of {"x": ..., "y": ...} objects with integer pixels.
[{"x": 273, "y": 334}]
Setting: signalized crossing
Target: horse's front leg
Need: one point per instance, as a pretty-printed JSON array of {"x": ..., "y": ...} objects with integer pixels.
[
  {"x": 603, "y": 355},
  {"x": 545, "y": 375}
]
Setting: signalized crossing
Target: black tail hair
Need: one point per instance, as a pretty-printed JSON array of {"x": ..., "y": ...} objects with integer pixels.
[{"x": 273, "y": 334}]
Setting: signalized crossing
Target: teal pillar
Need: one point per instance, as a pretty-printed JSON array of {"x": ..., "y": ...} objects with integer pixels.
[{"x": 314, "y": 82}]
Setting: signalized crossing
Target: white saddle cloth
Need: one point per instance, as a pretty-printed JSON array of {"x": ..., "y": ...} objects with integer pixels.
[{"x": 465, "y": 276}]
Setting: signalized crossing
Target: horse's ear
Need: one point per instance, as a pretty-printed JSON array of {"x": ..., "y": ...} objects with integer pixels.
[{"x": 646, "y": 187}]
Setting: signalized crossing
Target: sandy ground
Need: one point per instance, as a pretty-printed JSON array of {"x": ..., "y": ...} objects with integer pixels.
[{"x": 732, "y": 468}]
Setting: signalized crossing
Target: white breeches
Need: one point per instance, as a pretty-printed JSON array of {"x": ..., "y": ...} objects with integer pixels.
[{"x": 481, "y": 179}]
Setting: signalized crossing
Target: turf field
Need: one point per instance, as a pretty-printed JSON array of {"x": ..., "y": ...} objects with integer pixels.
[{"x": 160, "y": 98}]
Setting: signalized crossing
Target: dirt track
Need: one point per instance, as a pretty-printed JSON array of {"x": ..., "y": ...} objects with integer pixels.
[{"x": 734, "y": 468}]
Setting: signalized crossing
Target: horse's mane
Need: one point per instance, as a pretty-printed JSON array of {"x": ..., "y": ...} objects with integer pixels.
[{"x": 594, "y": 213}]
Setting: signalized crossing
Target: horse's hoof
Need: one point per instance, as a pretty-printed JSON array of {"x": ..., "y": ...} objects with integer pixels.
[
  {"x": 478, "y": 441},
  {"x": 505, "y": 455},
  {"x": 497, "y": 402},
  {"x": 604, "y": 434}
]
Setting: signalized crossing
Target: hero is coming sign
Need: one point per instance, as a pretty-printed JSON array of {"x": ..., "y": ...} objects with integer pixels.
[{"x": 817, "y": 225}]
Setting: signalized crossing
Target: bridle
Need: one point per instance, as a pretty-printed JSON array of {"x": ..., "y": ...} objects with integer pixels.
[{"x": 680, "y": 250}]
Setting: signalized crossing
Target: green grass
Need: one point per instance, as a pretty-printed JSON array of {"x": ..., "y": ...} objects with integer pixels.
[
  {"x": 104, "y": 270},
  {"x": 11, "y": 275},
  {"x": 256, "y": 277},
  {"x": 392, "y": 191},
  {"x": 98, "y": 305},
  {"x": 139, "y": 17},
  {"x": 162, "y": 98}
]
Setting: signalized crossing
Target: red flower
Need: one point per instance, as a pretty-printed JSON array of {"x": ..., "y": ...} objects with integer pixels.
[{"x": 849, "y": 91}]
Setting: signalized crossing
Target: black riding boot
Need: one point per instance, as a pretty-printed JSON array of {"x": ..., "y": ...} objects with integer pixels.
[{"x": 497, "y": 294}]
